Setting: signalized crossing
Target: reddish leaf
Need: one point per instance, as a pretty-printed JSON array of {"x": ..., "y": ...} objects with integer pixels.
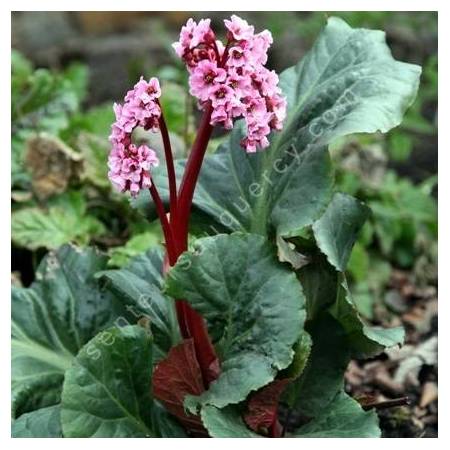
[
  {"x": 262, "y": 409},
  {"x": 177, "y": 376}
]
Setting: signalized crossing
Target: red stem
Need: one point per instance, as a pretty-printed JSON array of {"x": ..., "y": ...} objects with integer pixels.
[
  {"x": 195, "y": 324},
  {"x": 190, "y": 177},
  {"x": 167, "y": 230},
  {"x": 172, "y": 253},
  {"x": 179, "y": 306},
  {"x": 170, "y": 166}
]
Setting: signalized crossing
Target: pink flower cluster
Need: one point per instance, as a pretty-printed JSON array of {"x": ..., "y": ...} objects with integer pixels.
[
  {"x": 129, "y": 165},
  {"x": 233, "y": 77}
]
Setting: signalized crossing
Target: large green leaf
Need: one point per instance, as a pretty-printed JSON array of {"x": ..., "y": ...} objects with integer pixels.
[
  {"x": 225, "y": 423},
  {"x": 323, "y": 376},
  {"x": 319, "y": 281},
  {"x": 236, "y": 194},
  {"x": 338, "y": 228},
  {"x": 348, "y": 83},
  {"x": 106, "y": 391},
  {"x": 138, "y": 287},
  {"x": 42, "y": 423},
  {"x": 253, "y": 304},
  {"x": 66, "y": 220},
  {"x": 342, "y": 418},
  {"x": 260, "y": 192},
  {"x": 52, "y": 320},
  {"x": 165, "y": 424},
  {"x": 365, "y": 341},
  {"x": 135, "y": 246}
]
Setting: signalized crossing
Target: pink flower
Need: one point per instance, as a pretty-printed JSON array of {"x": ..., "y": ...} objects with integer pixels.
[
  {"x": 187, "y": 32},
  {"x": 186, "y": 35},
  {"x": 221, "y": 116},
  {"x": 202, "y": 33},
  {"x": 140, "y": 107},
  {"x": 237, "y": 57},
  {"x": 235, "y": 82},
  {"x": 267, "y": 81},
  {"x": 277, "y": 104},
  {"x": 129, "y": 165},
  {"x": 221, "y": 94},
  {"x": 239, "y": 28},
  {"x": 204, "y": 77},
  {"x": 260, "y": 45},
  {"x": 241, "y": 84},
  {"x": 145, "y": 91},
  {"x": 193, "y": 36}
]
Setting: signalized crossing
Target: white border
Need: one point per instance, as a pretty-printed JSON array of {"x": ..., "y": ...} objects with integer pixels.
[{"x": 444, "y": 188}]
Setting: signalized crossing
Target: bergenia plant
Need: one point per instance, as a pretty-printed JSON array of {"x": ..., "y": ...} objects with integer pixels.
[{"x": 247, "y": 330}]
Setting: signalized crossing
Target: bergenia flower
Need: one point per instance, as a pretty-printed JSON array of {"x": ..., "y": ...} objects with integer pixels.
[
  {"x": 233, "y": 78},
  {"x": 239, "y": 28},
  {"x": 129, "y": 165},
  {"x": 206, "y": 76}
]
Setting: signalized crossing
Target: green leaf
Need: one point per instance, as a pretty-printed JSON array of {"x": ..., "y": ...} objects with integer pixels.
[
  {"x": 44, "y": 100},
  {"x": 77, "y": 74},
  {"x": 359, "y": 263},
  {"x": 336, "y": 231},
  {"x": 65, "y": 221},
  {"x": 174, "y": 104},
  {"x": 225, "y": 423},
  {"x": 348, "y": 83},
  {"x": 20, "y": 178},
  {"x": 165, "y": 424},
  {"x": 137, "y": 245},
  {"x": 106, "y": 391},
  {"x": 400, "y": 146},
  {"x": 302, "y": 351},
  {"x": 323, "y": 376},
  {"x": 319, "y": 282},
  {"x": 365, "y": 341},
  {"x": 42, "y": 423},
  {"x": 95, "y": 121},
  {"x": 51, "y": 320},
  {"x": 239, "y": 195},
  {"x": 342, "y": 418},
  {"x": 251, "y": 302},
  {"x": 138, "y": 287},
  {"x": 95, "y": 156},
  {"x": 21, "y": 67}
]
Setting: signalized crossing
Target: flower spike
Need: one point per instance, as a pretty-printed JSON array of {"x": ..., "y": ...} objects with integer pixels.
[
  {"x": 233, "y": 78},
  {"x": 130, "y": 165}
]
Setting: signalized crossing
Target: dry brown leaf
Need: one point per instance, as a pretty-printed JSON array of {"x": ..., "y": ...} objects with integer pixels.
[
  {"x": 51, "y": 164},
  {"x": 411, "y": 359}
]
